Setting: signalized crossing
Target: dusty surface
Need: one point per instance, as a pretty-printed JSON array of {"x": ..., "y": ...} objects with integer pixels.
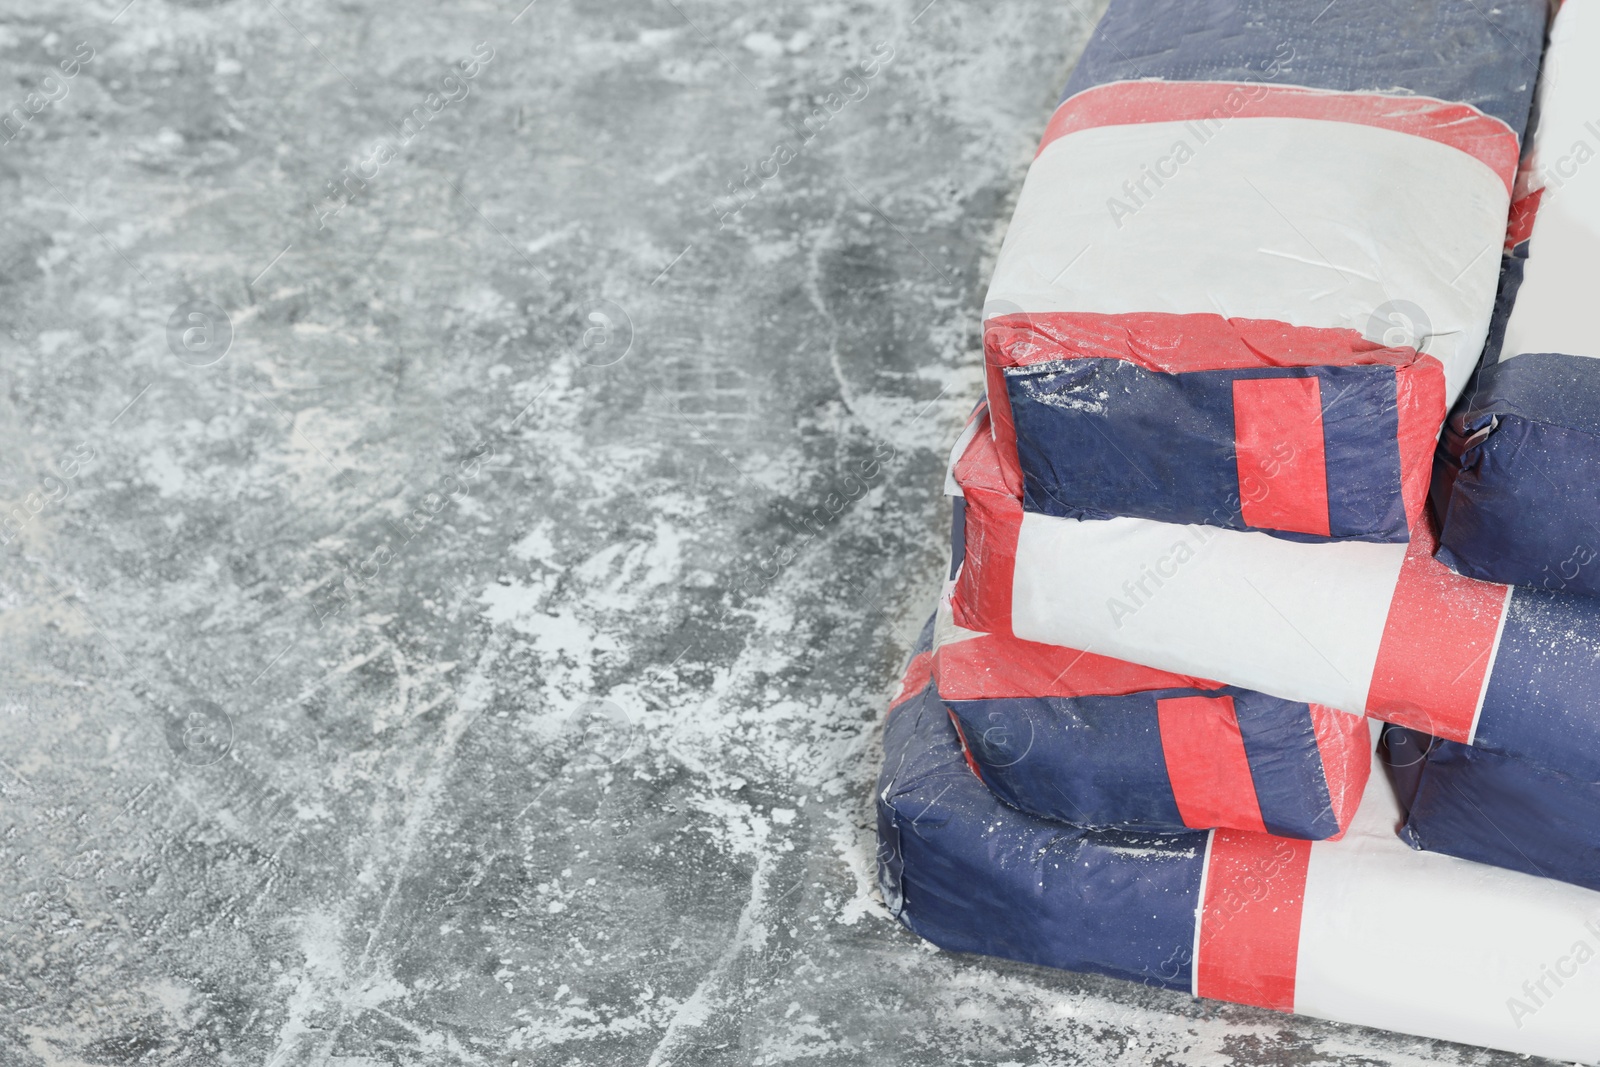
[{"x": 408, "y": 680}]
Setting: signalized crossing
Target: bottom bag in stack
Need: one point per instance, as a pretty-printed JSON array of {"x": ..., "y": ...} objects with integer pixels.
[
  {"x": 1316, "y": 928},
  {"x": 1483, "y": 806}
]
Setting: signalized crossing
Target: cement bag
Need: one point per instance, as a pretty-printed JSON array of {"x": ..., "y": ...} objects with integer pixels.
[
  {"x": 1483, "y": 806},
  {"x": 1315, "y": 928},
  {"x": 1376, "y": 628},
  {"x": 1095, "y": 741},
  {"x": 1521, "y": 456},
  {"x": 1254, "y": 260}
]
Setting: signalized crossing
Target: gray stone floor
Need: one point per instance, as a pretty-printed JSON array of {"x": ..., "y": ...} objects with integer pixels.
[{"x": 394, "y": 671}]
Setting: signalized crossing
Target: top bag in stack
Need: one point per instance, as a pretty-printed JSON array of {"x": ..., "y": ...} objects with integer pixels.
[
  {"x": 1521, "y": 462},
  {"x": 1255, "y": 260}
]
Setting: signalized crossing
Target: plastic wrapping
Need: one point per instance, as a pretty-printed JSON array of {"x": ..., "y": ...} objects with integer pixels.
[
  {"x": 1520, "y": 485},
  {"x": 1232, "y": 915},
  {"x": 1246, "y": 272}
]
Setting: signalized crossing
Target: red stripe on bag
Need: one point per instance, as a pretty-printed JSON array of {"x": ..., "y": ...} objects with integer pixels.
[
  {"x": 1437, "y": 647},
  {"x": 981, "y": 599},
  {"x": 1344, "y": 742},
  {"x": 1524, "y": 212},
  {"x": 966, "y": 749},
  {"x": 1420, "y": 409},
  {"x": 1170, "y": 343},
  {"x": 999, "y": 424},
  {"x": 1249, "y": 938},
  {"x": 1283, "y": 473},
  {"x": 988, "y": 667},
  {"x": 1207, "y": 764},
  {"x": 1460, "y": 126},
  {"x": 916, "y": 677}
]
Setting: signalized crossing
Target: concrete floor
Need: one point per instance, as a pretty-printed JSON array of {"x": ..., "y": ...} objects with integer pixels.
[{"x": 391, "y": 672}]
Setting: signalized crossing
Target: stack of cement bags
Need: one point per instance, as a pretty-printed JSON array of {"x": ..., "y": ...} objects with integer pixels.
[
  {"x": 1517, "y": 487},
  {"x": 1253, "y": 266}
]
